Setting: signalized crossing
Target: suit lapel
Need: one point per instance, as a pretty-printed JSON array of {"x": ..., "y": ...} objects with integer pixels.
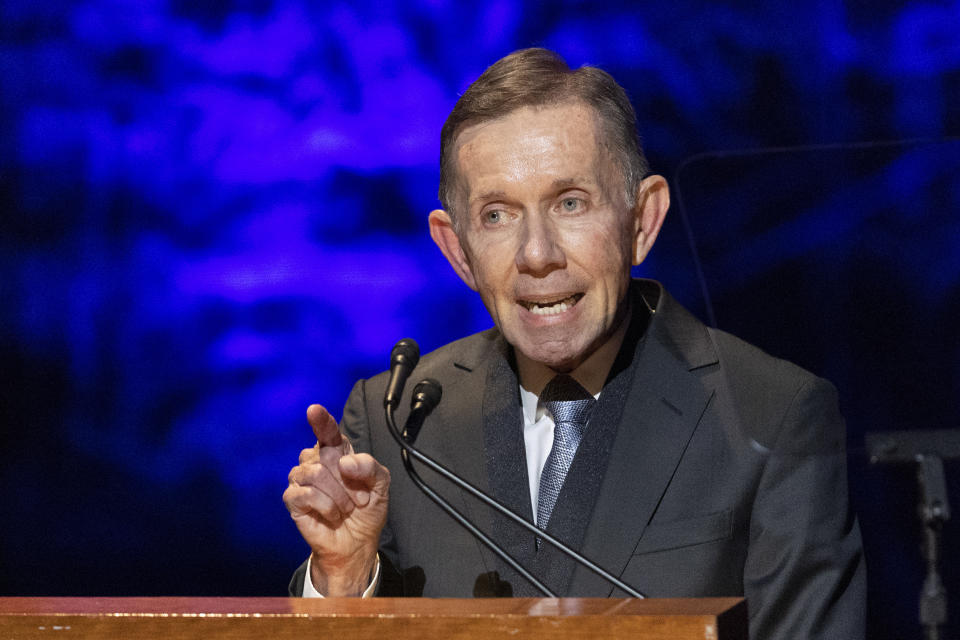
[
  {"x": 460, "y": 442},
  {"x": 507, "y": 471},
  {"x": 661, "y": 411},
  {"x": 482, "y": 423}
]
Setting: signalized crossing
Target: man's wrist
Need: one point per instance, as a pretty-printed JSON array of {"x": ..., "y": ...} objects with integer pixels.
[{"x": 346, "y": 584}]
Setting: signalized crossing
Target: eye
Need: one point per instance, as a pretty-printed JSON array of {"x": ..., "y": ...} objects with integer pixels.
[
  {"x": 571, "y": 204},
  {"x": 493, "y": 216}
]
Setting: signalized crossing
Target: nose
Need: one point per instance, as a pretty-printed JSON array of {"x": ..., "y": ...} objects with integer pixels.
[{"x": 540, "y": 250}]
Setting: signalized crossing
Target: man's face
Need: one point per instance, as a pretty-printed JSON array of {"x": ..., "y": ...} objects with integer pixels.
[{"x": 547, "y": 236}]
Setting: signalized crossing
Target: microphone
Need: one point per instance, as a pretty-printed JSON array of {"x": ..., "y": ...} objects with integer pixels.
[
  {"x": 426, "y": 396},
  {"x": 403, "y": 359}
]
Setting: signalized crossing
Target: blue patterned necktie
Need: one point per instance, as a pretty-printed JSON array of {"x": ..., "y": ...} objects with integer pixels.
[{"x": 570, "y": 405}]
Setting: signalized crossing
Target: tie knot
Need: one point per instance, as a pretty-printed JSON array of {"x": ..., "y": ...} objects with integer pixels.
[
  {"x": 563, "y": 388},
  {"x": 567, "y": 400}
]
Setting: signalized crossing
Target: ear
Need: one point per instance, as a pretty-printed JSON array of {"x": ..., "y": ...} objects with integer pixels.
[
  {"x": 441, "y": 230},
  {"x": 653, "y": 200}
]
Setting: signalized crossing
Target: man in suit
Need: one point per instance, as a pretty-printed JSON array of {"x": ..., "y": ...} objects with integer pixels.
[{"x": 692, "y": 465}]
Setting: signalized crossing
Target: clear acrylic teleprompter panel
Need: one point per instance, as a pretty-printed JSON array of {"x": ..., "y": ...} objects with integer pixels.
[{"x": 846, "y": 260}]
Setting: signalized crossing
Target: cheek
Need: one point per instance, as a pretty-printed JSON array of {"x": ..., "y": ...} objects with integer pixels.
[
  {"x": 492, "y": 261},
  {"x": 621, "y": 244},
  {"x": 492, "y": 283},
  {"x": 606, "y": 253}
]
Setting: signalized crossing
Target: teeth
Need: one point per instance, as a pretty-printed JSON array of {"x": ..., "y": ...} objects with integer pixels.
[
  {"x": 542, "y": 309},
  {"x": 550, "y": 311}
]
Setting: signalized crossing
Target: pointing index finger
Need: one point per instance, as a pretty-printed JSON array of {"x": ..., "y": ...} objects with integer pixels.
[{"x": 324, "y": 426}]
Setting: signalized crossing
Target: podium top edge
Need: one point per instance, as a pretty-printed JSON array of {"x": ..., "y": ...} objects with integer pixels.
[{"x": 378, "y": 607}]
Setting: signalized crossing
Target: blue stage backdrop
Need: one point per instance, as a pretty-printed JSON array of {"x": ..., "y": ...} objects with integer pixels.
[{"x": 214, "y": 214}]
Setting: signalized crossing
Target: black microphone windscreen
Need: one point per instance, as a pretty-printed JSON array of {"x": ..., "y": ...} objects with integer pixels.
[
  {"x": 405, "y": 352},
  {"x": 403, "y": 359},
  {"x": 428, "y": 393}
]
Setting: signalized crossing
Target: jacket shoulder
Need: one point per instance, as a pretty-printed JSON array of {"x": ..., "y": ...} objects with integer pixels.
[{"x": 778, "y": 401}]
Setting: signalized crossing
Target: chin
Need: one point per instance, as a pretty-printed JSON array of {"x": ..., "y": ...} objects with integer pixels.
[{"x": 560, "y": 358}]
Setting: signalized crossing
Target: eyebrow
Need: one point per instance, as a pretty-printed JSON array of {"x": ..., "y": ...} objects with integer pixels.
[
  {"x": 558, "y": 184},
  {"x": 488, "y": 195},
  {"x": 565, "y": 183}
]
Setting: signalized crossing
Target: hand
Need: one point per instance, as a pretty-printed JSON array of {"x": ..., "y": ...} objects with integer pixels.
[{"x": 338, "y": 499}]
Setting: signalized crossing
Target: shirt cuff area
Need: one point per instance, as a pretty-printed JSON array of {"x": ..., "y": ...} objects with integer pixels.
[{"x": 310, "y": 592}]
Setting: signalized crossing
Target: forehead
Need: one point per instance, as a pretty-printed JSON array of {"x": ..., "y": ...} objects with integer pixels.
[{"x": 530, "y": 147}]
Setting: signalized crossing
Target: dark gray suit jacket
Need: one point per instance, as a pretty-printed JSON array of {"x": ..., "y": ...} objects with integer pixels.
[{"x": 709, "y": 468}]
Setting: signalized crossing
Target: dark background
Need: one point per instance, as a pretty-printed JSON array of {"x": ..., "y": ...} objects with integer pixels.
[{"x": 214, "y": 214}]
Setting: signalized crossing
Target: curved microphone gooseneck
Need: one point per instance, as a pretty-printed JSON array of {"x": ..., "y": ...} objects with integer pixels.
[
  {"x": 431, "y": 391},
  {"x": 400, "y": 370}
]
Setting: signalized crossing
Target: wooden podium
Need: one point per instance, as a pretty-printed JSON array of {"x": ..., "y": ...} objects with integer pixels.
[{"x": 388, "y": 618}]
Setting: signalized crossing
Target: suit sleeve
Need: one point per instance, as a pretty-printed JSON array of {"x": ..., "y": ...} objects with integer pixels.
[
  {"x": 804, "y": 575},
  {"x": 295, "y": 587}
]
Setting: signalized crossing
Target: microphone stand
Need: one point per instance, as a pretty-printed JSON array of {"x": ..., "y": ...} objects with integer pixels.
[
  {"x": 927, "y": 449},
  {"x": 408, "y": 451}
]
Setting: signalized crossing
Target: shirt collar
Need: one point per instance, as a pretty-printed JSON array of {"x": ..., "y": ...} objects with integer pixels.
[{"x": 533, "y": 409}]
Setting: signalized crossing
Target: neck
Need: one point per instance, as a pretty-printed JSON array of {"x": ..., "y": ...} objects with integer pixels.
[{"x": 591, "y": 373}]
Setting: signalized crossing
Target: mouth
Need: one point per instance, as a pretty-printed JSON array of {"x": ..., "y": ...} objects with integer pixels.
[{"x": 550, "y": 306}]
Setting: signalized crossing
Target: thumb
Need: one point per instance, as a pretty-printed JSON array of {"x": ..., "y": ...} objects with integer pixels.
[{"x": 362, "y": 476}]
